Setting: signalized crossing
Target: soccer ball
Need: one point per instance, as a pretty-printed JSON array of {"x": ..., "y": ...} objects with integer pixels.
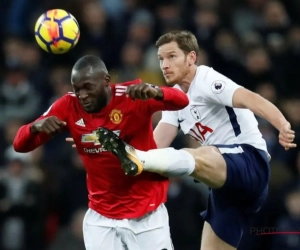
[{"x": 57, "y": 31}]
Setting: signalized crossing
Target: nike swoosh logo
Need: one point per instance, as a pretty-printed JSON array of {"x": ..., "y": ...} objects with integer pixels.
[{"x": 180, "y": 121}]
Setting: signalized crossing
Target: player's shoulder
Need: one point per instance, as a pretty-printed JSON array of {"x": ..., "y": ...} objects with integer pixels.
[
  {"x": 70, "y": 95},
  {"x": 120, "y": 88},
  {"x": 206, "y": 76},
  {"x": 63, "y": 103},
  {"x": 204, "y": 71},
  {"x": 67, "y": 99},
  {"x": 209, "y": 74},
  {"x": 200, "y": 78}
]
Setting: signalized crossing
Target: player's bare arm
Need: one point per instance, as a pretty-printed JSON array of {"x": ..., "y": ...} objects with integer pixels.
[
  {"x": 144, "y": 91},
  {"x": 164, "y": 134},
  {"x": 244, "y": 98},
  {"x": 50, "y": 125}
]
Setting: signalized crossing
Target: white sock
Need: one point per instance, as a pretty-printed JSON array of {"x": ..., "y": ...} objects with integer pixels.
[{"x": 167, "y": 161}]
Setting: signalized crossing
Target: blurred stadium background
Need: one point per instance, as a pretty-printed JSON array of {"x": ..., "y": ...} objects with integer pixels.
[{"x": 43, "y": 195}]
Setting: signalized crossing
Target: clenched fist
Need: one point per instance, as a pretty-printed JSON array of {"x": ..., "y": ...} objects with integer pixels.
[
  {"x": 50, "y": 125},
  {"x": 144, "y": 91}
]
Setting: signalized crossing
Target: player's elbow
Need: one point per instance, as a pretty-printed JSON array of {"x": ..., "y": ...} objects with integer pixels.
[
  {"x": 17, "y": 146},
  {"x": 185, "y": 101}
]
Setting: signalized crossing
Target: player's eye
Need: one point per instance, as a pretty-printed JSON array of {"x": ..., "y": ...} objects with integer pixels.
[
  {"x": 172, "y": 56},
  {"x": 88, "y": 86}
]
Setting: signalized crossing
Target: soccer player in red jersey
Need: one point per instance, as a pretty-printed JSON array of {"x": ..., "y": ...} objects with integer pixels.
[{"x": 125, "y": 212}]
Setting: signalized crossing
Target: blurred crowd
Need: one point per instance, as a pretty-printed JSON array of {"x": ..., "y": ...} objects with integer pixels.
[{"x": 43, "y": 194}]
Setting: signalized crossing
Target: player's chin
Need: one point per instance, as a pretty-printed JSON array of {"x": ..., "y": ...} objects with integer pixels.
[
  {"x": 170, "y": 81},
  {"x": 89, "y": 109}
]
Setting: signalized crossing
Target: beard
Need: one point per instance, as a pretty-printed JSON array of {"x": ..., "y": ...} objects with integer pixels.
[
  {"x": 179, "y": 77},
  {"x": 97, "y": 105},
  {"x": 101, "y": 102}
]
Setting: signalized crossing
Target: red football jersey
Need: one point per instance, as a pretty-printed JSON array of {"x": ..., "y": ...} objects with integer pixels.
[{"x": 111, "y": 192}]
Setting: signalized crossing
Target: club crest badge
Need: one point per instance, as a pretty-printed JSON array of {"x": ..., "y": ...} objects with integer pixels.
[
  {"x": 218, "y": 86},
  {"x": 116, "y": 116},
  {"x": 195, "y": 113}
]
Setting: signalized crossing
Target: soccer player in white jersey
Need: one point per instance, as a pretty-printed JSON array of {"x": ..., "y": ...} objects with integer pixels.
[{"x": 233, "y": 159}]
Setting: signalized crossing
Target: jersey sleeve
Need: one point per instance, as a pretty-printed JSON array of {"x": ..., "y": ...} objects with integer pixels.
[
  {"x": 218, "y": 88},
  {"x": 25, "y": 141},
  {"x": 174, "y": 99},
  {"x": 170, "y": 117}
]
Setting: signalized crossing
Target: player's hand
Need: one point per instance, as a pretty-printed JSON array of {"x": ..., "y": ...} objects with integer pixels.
[
  {"x": 70, "y": 139},
  {"x": 144, "y": 91},
  {"x": 287, "y": 136},
  {"x": 50, "y": 125}
]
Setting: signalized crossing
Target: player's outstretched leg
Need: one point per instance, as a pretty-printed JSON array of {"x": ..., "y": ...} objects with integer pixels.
[
  {"x": 205, "y": 164},
  {"x": 112, "y": 143}
]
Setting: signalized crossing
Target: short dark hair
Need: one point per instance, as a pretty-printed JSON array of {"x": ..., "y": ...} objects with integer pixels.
[
  {"x": 90, "y": 61},
  {"x": 186, "y": 41}
]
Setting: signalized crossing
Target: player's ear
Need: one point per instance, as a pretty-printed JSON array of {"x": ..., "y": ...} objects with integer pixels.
[{"x": 192, "y": 58}]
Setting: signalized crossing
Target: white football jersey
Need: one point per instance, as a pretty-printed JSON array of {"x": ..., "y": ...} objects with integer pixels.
[{"x": 209, "y": 118}]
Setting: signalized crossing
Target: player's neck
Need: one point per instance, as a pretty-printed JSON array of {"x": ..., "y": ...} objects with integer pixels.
[{"x": 187, "y": 80}]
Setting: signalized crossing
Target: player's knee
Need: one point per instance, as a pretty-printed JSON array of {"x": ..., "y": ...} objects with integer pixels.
[{"x": 210, "y": 166}]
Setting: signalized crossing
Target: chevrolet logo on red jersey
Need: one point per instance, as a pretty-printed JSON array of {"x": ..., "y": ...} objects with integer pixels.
[
  {"x": 93, "y": 138},
  {"x": 90, "y": 138}
]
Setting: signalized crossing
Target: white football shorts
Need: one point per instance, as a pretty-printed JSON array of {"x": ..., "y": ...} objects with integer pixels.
[{"x": 150, "y": 232}]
